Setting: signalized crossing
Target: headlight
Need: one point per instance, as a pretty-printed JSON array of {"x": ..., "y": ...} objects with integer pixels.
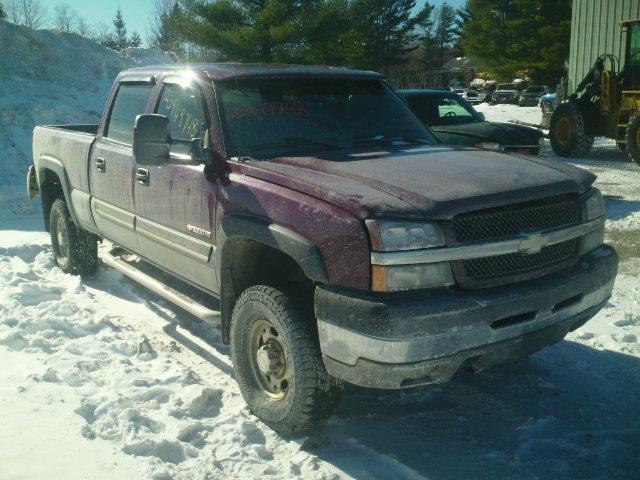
[
  {"x": 393, "y": 278},
  {"x": 389, "y": 236},
  {"x": 594, "y": 204}
]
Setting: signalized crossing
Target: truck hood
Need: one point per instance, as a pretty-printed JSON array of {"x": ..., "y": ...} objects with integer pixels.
[
  {"x": 435, "y": 182},
  {"x": 502, "y": 133}
]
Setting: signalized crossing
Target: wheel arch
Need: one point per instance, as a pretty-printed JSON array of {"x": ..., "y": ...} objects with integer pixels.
[
  {"x": 54, "y": 183},
  {"x": 253, "y": 250}
]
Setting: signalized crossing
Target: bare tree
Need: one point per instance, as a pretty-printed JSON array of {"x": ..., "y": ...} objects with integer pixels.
[
  {"x": 30, "y": 13},
  {"x": 102, "y": 34},
  {"x": 63, "y": 18},
  {"x": 13, "y": 12},
  {"x": 82, "y": 27}
]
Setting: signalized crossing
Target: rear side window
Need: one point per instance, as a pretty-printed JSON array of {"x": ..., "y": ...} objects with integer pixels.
[
  {"x": 184, "y": 106},
  {"x": 131, "y": 101}
]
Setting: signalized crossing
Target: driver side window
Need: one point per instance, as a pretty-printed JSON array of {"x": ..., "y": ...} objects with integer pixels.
[{"x": 184, "y": 107}]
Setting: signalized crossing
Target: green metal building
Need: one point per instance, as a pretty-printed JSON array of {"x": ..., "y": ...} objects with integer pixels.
[{"x": 595, "y": 29}]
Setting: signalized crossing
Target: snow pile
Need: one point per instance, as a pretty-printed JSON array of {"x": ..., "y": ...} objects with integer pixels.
[
  {"x": 51, "y": 77},
  {"x": 121, "y": 362}
]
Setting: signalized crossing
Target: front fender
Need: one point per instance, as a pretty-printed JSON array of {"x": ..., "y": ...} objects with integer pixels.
[{"x": 305, "y": 253}]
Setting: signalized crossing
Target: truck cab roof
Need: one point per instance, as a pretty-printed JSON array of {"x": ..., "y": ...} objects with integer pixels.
[{"x": 223, "y": 71}]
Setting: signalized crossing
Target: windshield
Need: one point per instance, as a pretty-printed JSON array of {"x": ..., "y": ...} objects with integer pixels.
[
  {"x": 507, "y": 86},
  {"x": 435, "y": 110},
  {"x": 271, "y": 117},
  {"x": 535, "y": 90}
]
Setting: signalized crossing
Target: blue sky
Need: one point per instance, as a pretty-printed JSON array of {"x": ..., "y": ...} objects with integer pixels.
[{"x": 137, "y": 12}]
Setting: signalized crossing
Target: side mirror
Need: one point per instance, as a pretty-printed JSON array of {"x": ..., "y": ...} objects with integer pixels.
[
  {"x": 481, "y": 116},
  {"x": 151, "y": 139}
]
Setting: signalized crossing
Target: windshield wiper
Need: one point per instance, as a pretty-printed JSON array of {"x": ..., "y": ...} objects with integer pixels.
[
  {"x": 385, "y": 140},
  {"x": 296, "y": 142}
]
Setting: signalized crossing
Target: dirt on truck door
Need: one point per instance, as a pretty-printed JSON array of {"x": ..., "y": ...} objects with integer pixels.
[
  {"x": 175, "y": 205},
  {"x": 111, "y": 166}
]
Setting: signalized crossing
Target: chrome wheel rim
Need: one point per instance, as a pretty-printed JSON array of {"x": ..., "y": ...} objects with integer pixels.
[{"x": 268, "y": 357}]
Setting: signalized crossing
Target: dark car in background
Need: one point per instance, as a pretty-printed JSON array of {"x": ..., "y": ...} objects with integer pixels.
[
  {"x": 531, "y": 96},
  {"x": 454, "y": 121},
  {"x": 506, "y": 93}
]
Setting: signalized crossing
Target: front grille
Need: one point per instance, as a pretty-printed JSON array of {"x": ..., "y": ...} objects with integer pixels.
[
  {"x": 500, "y": 265},
  {"x": 496, "y": 224},
  {"x": 513, "y": 220}
]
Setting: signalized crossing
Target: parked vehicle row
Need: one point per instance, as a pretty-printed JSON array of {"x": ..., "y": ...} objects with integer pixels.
[{"x": 341, "y": 239}]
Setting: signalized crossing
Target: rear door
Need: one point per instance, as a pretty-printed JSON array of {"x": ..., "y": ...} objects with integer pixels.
[
  {"x": 175, "y": 202},
  {"x": 111, "y": 166}
]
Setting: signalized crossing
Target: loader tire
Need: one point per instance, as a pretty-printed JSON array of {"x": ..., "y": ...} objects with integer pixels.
[
  {"x": 75, "y": 250},
  {"x": 567, "y": 131},
  {"x": 633, "y": 138}
]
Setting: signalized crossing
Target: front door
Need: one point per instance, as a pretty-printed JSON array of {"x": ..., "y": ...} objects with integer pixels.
[
  {"x": 175, "y": 203},
  {"x": 111, "y": 166}
]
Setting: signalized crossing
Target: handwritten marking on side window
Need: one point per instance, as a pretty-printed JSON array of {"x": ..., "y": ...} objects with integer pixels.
[{"x": 181, "y": 118}]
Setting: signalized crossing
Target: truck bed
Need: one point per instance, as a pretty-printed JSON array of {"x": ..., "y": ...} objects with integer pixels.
[{"x": 69, "y": 146}]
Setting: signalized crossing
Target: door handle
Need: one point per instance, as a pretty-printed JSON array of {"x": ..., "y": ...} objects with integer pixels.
[
  {"x": 142, "y": 176},
  {"x": 100, "y": 164}
]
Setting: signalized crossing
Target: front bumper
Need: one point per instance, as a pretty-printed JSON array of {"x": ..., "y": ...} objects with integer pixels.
[{"x": 403, "y": 340}]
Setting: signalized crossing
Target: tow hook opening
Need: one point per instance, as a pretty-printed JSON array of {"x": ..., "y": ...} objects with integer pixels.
[
  {"x": 514, "y": 319},
  {"x": 567, "y": 303}
]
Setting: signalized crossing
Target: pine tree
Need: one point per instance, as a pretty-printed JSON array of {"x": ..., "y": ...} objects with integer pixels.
[
  {"x": 508, "y": 36},
  {"x": 120, "y": 37},
  {"x": 445, "y": 30},
  {"x": 3, "y": 13},
  {"x": 425, "y": 26},
  {"x": 463, "y": 15},
  {"x": 135, "y": 41},
  {"x": 166, "y": 36},
  {"x": 385, "y": 32}
]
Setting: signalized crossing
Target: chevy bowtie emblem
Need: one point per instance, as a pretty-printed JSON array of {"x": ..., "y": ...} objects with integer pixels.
[{"x": 532, "y": 244}]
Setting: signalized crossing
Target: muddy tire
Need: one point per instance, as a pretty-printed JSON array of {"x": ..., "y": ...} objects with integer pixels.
[
  {"x": 278, "y": 364},
  {"x": 567, "y": 131},
  {"x": 633, "y": 138},
  {"x": 75, "y": 250}
]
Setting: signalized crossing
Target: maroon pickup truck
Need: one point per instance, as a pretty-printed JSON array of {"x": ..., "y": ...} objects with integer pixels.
[{"x": 335, "y": 238}]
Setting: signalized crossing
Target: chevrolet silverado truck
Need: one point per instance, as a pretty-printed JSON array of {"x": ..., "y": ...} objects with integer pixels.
[{"x": 335, "y": 238}]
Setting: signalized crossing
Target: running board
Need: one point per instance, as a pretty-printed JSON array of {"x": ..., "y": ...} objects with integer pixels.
[{"x": 156, "y": 286}]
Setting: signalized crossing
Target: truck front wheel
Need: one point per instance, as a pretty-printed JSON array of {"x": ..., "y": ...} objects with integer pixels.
[
  {"x": 278, "y": 363},
  {"x": 567, "y": 131},
  {"x": 75, "y": 250}
]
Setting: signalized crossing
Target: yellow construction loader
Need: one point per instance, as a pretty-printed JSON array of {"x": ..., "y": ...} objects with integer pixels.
[{"x": 606, "y": 103}]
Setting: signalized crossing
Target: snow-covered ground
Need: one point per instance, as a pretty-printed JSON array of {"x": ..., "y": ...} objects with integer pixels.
[{"x": 99, "y": 378}]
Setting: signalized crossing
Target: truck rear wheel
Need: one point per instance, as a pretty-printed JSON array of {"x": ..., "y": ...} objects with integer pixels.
[
  {"x": 278, "y": 363},
  {"x": 75, "y": 250},
  {"x": 633, "y": 138},
  {"x": 567, "y": 132}
]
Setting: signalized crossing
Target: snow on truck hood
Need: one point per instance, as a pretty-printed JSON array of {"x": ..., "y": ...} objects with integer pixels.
[{"x": 421, "y": 182}]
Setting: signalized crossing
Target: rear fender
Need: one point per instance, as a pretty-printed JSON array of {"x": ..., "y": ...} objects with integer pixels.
[{"x": 46, "y": 163}]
